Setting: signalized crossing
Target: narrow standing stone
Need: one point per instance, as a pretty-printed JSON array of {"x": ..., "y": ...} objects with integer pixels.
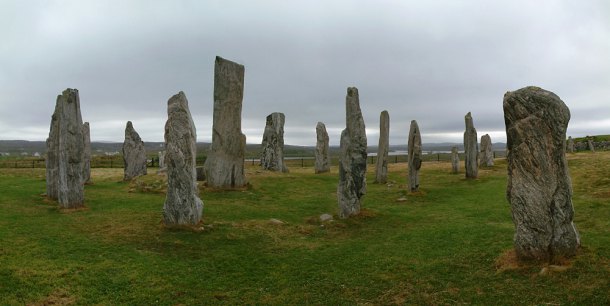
[
  {"x": 272, "y": 154},
  {"x": 414, "y": 156},
  {"x": 352, "y": 159},
  {"x": 52, "y": 155},
  {"x": 322, "y": 152},
  {"x": 182, "y": 203},
  {"x": 590, "y": 145},
  {"x": 570, "y": 145},
  {"x": 86, "y": 154},
  {"x": 224, "y": 165},
  {"x": 471, "y": 150},
  {"x": 539, "y": 186},
  {"x": 134, "y": 153},
  {"x": 381, "y": 173},
  {"x": 455, "y": 160},
  {"x": 487, "y": 153},
  {"x": 161, "y": 159}
]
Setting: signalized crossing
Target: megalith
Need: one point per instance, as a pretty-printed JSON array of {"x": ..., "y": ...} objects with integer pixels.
[
  {"x": 455, "y": 160},
  {"x": 471, "y": 150},
  {"x": 224, "y": 165},
  {"x": 86, "y": 154},
  {"x": 272, "y": 153},
  {"x": 322, "y": 153},
  {"x": 415, "y": 155},
  {"x": 539, "y": 185},
  {"x": 570, "y": 146},
  {"x": 182, "y": 203},
  {"x": 352, "y": 158},
  {"x": 134, "y": 154},
  {"x": 590, "y": 145},
  {"x": 381, "y": 172},
  {"x": 65, "y": 152},
  {"x": 161, "y": 159},
  {"x": 487, "y": 154}
]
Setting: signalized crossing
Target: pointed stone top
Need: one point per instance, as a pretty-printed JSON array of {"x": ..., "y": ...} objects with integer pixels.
[
  {"x": 468, "y": 116},
  {"x": 129, "y": 125},
  {"x": 352, "y": 91}
]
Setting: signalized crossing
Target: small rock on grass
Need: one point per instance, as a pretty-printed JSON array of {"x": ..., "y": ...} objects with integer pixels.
[{"x": 326, "y": 217}]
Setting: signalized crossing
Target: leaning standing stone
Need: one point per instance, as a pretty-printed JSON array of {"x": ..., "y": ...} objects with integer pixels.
[
  {"x": 272, "y": 154},
  {"x": 182, "y": 204},
  {"x": 352, "y": 159},
  {"x": 455, "y": 160},
  {"x": 471, "y": 151},
  {"x": 539, "y": 186},
  {"x": 381, "y": 173},
  {"x": 487, "y": 153},
  {"x": 134, "y": 154},
  {"x": 322, "y": 152},
  {"x": 414, "y": 156},
  {"x": 161, "y": 159},
  {"x": 570, "y": 145},
  {"x": 224, "y": 165},
  {"x": 87, "y": 154}
]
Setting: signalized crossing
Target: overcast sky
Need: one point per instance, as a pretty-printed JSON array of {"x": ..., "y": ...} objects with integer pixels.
[{"x": 432, "y": 61}]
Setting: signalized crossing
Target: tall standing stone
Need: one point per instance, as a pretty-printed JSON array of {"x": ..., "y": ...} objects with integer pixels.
[
  {"x": 65, "y": 152},
  {"x": 471, "y": 150},
  {"x": 455, "y": 160},
  {"x": 590, "y": 145},
  {"x": 182, "y": 203},
  {"x": 272, "y": 154},
  {"x": 381, "y": 172},
  {"x": 224, "y": 165},
  {"x": 539, "y": 186},
  {"x": 161, "y": 159},
  {"x": 86, "y": 154},
  {"x": 352, "y": 159},
  {"x": 414, "y": 156},
  {"x": 134, "y": 153},
  {"x": 487, "y": 154},
  {"x": 570, "y": 145},
  {"x": 322, "y": 153}
]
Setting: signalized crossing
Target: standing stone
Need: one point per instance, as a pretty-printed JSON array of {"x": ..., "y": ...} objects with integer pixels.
[
  {"x": 134, "y": 154},
  {"x": 539, "y": 186},
  {"x": 487, "y": 153},
  {"x": 352, "y": 159},
  {"x": 471, "y": 150},
  {"x": 224, "y": 165},
  {"x": 65, "y": 152},
  {"x": 272, "y": 154},
  {"x": 414, "y": 156},
  {"x": 182, "y": 204},
  {"x": 86, "y": 154},
  {"x": 590, "y": 145},
  {"x": 161, "y": 159},
  {"x": 381, "y": 173},
  {"x": 322, "y": 152},
  {"x": 570, "y": 145},
  {"x": 455, "y": 160}
]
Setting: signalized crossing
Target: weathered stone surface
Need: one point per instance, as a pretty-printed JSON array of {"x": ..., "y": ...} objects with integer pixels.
[
  {"x": 471, "y": 150},
  {"x": 182, "y": 204},
  {"x": 539, "y": 186},
  {"x": 414, "y": 156},
  {"x": 590, "y": 145},
  {"x": 381, "y": 172},
  {"x": 224, "y": 165},
  {"x": 487, "y": 154},
  {"x": 326, "y": 217},
  {"x": 272, "y": 153},
  {"x": 570, "y": 146},
  {"x": 86, "y": 154},
  {"x": 161, "y": 159},
  {"x": 200, "y": 173},
  {"x": 134, "y": 154},
  {"x": 322, "y": 153},
  {"x": 352, "y": 159},
  {"x": 455, "y": 160},
  {"x": 65, "y": 152}
]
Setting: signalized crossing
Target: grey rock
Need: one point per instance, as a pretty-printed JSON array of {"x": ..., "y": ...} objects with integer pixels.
[
  {"x": 200, "y": 173},
  {"x": 590, "y": 145},
  {"x": 352, "y": 159},
  {"x": 539, "y": 185},
  {"x": 326, "y": 217},
  {"x": 487, "y": 154},
  {"x": 161, "y": 159},
  {"x": 276, "y": 221},
  {"x": 86, "y": 154},
  {"x": 455, "y": 160},
  {"x": 182, "y": 203},
  {"x": 570, "y": 146},
  {"x": 415, "y": 154},
  {"x": 272, "y": 154},
  {"x": 322, "y": 153},
  {"x": 65, "y": 152},
  {"x": 134, "y": 154},
  {"x": 224, "y": 165},
  {"x": 471, "y": 150},
  {"x": 381, "y": 172}
]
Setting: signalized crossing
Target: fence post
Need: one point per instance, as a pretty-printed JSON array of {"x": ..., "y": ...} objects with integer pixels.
[
  {"x": 494, "y": 154},
  {"x": 252, "y": 161}
]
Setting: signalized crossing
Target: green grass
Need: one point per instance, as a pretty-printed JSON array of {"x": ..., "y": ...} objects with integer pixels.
[{"x": 448, "y": 244}]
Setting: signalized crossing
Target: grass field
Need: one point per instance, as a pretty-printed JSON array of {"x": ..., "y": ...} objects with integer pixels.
[{"x": 449, "y": 244}]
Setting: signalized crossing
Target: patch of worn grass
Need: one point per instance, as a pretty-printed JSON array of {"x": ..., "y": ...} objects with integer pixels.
[{"x": 449, "y": 243}]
